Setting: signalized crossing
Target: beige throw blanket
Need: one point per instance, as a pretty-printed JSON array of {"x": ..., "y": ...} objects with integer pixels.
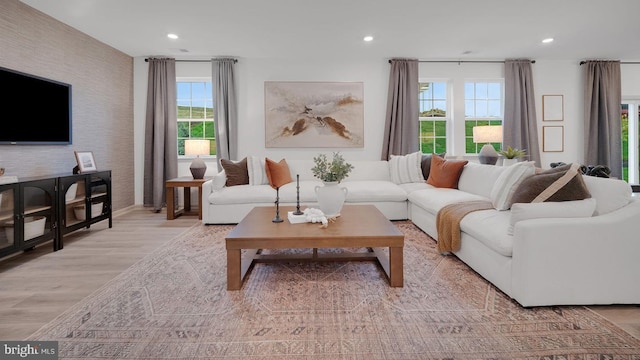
[{"x": 448, "y": 223}]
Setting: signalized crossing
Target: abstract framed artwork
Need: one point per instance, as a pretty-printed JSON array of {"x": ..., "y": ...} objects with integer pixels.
[
  {"x": 314, "y": 114},
  {"x": 553, "y": 138},
  {"x": 552, "y": 108}
]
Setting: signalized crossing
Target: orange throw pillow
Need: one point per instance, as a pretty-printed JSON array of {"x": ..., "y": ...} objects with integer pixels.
[
  {"x": 445, "y": 173},
  {"x": 277, "y": 172}
]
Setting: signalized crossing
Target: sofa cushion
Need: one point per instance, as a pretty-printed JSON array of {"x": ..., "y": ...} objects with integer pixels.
[
  {"x": 434, "y": 199},
  {"x": 369, "y": 170},
  {"x": 257, "y": 171},
  {"x": 445, "y": 173},
  {"x": 558, "y": 184},
  {"x": 490, "y": 228},
  {"x": 243, "y": 194},
  {"x": 610, "y": 194},
  {"x": 557, "y": 209},
  {"x": 406, "y": 168},
  {"x": 479, "y": 178},
  {"x": 277, "y": 172},
  {"x": 507, "y": 183},
  {"x": 236, "y": 172},
  {"x": 373, "y": 191},
  {"x": 411, "y": 187}
]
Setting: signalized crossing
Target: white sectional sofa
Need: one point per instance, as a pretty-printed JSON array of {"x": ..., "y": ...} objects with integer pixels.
[{"x": 560, "y": 260}]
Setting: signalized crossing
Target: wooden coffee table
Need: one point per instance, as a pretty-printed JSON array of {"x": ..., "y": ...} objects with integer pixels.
[{"x": 359, "y": 226}]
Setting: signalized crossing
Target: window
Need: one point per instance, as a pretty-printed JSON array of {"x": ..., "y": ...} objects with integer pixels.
[
  {"x": 483, "y": 105},
  {"x": 630, "y": 141},
  {"x": 433, "y": 117},
  {"x": 195, "y": 113}
]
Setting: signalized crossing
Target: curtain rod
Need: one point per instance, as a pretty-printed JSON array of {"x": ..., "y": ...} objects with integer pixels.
[
  {"x": 465, "y": 61},
  {"x": 234, "y": 60},
  {"x": 621, "y": 62}
]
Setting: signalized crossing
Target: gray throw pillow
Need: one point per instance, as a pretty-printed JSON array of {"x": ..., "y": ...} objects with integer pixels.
[
  {"x": 425, "y": 164},
  {"x": 561, "y": 183},
  {"x": 237, "y": 172}
]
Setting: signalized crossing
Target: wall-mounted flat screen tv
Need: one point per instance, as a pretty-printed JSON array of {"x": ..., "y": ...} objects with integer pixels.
[{"x": 34, "y": 110}]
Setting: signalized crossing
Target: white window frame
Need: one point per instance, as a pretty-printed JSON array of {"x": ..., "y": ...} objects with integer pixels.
[
  {"x": 449, "y": 110},
  {"x": 634, "y": 141},
  {"x": 464, "y": 113},
  {"x": 192, "y": 80}
]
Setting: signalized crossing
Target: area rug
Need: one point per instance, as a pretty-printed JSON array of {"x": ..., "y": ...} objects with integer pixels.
[{"x": 173, "y": 304}]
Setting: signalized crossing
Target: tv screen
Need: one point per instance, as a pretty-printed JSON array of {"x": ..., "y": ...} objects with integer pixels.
[{"x": 34, "y": 110}]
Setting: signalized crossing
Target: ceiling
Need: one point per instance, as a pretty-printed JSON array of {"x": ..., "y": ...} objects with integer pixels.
[{"x": 305, "y": 29}]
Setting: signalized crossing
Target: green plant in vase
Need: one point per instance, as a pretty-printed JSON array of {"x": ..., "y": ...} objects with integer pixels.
[
  {"x": 335, "y": 170},
  {"x": 511, "y": 155}
]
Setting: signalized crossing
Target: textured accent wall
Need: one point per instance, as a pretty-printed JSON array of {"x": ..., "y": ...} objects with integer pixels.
[{"x": 102, "y": 80}]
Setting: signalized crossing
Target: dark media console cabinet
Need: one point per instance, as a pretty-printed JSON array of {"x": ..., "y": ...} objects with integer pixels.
[{"x": 36, "y": 210}]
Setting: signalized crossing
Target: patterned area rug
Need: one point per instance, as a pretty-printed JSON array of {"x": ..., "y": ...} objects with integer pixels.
[{"x": 173, "y": 304}]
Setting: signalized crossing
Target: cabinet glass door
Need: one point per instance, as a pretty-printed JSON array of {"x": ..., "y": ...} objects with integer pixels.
[
  {"x": 7, "y": 212},
  {"x": 38, "y": 206}
]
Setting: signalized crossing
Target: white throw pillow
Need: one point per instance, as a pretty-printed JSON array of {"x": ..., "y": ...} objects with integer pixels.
[
  {"x": 257, "y": 171},
  {"x": 551, "y": 209},
  {"x": 406, "y": 168},
  {"x": 507, "y": 183}
]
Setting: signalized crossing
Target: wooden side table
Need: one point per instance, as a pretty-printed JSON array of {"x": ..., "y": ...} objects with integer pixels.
[{"x": 186, "y": 182}]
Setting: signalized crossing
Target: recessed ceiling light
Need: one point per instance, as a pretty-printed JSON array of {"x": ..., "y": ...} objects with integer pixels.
[
  {"x": 547, "y": 40},
  {"x": 172, "y": 36},
  {"x": 368, "y": 38}
]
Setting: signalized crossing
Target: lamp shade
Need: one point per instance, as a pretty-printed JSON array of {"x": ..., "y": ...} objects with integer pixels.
[
  {"x": 487, "y": 134},
  {"x": 197, "y": 147}
]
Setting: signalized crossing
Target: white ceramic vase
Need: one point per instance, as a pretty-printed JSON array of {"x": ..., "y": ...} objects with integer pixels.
[
  {"x": 331, "y": 197},
  {"x": 509, "y": 162}
]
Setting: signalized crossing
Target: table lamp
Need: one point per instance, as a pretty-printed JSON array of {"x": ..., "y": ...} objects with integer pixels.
[
  {"x": 197, "y": 147},
  {"x": 487, "y": 135}
]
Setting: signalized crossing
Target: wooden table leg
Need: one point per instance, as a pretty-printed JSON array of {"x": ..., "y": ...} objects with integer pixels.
[
  {"x": 170, "y": 205},
  {"x": 200, "y": 202},
  {"x": 187, "y": 199},
  {"x": 396, "y": 275},
  {"x": 234, "y": 273}
]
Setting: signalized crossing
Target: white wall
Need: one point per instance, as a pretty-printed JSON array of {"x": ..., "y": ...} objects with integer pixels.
[{"x": 551, "y": 77}]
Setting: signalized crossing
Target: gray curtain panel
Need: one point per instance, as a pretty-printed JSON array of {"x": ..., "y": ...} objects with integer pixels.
[
  {"x": 602, "y": 113},
  {"x": 160, "y": 148},
  {"x": 401, "y": 129},
  {"x": 520, "y": 127},
  {"x": 225, "y": 104}
]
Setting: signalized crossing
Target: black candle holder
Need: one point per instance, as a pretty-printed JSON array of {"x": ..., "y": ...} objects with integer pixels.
[
  {"x": 277, "y": 219},
  {"x": 298, "y": 212}
]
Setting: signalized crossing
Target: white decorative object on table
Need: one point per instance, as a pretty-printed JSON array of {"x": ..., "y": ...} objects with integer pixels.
[
  {"x": 315, "y": 216},
  {"x": 331, "y": 197}
]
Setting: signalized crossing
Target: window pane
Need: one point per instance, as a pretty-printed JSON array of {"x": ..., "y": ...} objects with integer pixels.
[
  {"x": 440, "y": 128},
  {"x": 426, "y": 128},
  {"x": 469, "y": 109},
  {"x": 440, "y": 108},
  {"x": 183, "y": 129},
  {"x": 495, "y": 110},
  {"x": 495, "y": 91},
  {"x": 180, "y": 146},
  {"x": 481, "y": 91},
  {"x": 469, "y": 91},
  {"x": 427, "y": 146},
  {"x": 197, "y": 129},
  {"x": 184, "y": 109},
  {"x": 213, "y": 147},
  {"x": 209, "y": 109},
  {"x": 209, "y": 130},
  {"x": 439, "y": 90},
  {"x": 441, "y": 145},
  {"x": 197, "y": 90},
  {"x": 197, "y": 109},
  {"x": 184, "y": 90},
  {"x": 470, "y": 146},
  {"x": 481, "y": 108}
]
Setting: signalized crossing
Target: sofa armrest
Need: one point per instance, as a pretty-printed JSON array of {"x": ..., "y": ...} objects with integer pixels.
[{"x": 578, "y": 261}]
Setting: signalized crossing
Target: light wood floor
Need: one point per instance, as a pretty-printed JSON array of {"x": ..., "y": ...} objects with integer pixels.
[{"x": 36, "y": 286}]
